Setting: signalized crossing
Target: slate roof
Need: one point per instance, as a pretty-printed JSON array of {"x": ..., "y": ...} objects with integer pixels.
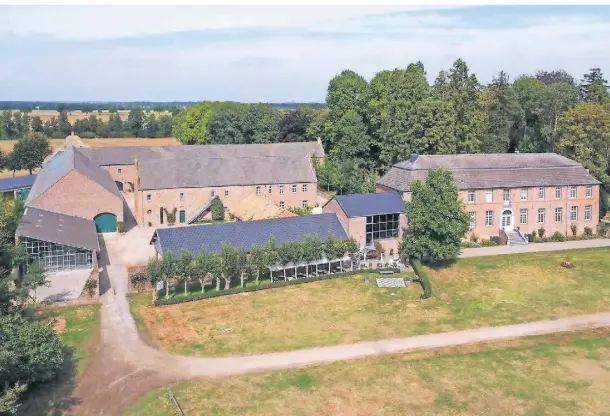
[
  {"x": 58, "y": 228},
  {"x": 243, "y": 235},
  {"x": 61, "y": 164},
  {"x": 362, "y": 205},
  {"x": 485, "y": 171},
  {"x": 18, "y": 182},
  {"x": 105, "y": 156},
  {"x": 196, "y": 173}
]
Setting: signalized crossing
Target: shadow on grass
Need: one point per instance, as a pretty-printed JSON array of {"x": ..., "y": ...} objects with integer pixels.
[
  {"x": 53, "y": 398},
  {"x": 442, "y": 264}
]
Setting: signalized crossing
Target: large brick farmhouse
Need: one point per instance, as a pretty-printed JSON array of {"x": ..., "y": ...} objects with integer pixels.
[{"x": 524, "y": 191}]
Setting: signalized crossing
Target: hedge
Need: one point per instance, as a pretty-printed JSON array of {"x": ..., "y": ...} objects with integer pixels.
[
  {"x": 273, "y": 285},
  {"x": 423, "y": 278}
]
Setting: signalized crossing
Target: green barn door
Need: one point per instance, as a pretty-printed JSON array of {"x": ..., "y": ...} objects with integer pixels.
[
  {"x": 105, "y": 223},
  {"x": 182, "y": 217},
  {"x": 22, "y": 194}
]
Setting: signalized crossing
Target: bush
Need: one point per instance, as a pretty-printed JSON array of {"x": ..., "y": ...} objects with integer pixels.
[
  {"x": 120, "y": 227},
  {"x": 217, "y": 209},
  {"x": 494, "y": 241},
  {"x": 574, "y": 229},
  {"x": 138, "y": 281},
  {"x": 588, "y": 232},
  {"x": 541, "y": 231},
  {"x": 91, "y": 286},
  {"x": 378, "y": 247},
  {"x": 558, "y": 237},
  {"x": 531, "y": 238},
  {"x": 171, "y": 216},
  {"x": 423, "y": 278},
  {"x": 474, "y": 238},
  {"x": 278, "y": 283}
]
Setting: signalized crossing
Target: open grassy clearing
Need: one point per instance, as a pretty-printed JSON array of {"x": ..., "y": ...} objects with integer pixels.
[
  {"x": 78, "y": 329},
  {"x": 487, "y": 291},
  {"x": 563, "y": 374}
]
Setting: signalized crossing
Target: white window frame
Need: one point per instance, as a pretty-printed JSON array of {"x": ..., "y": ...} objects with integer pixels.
[
  {"x": 472, "y": 218},
  {"x": 294, "y": 189},
  {"x": 489, "y": 218},
  {"x": 573, "y": 191},
  {"x": 281, "y": 189},
  {"x": 270, "y": 189},
  {"x": 588, "y": 192},
  {"x": 524, "y": 194},
  {"x": 213, "y": 194},
  {"x": 471, "y": 197},
  {"x": 541, "y": 193},
  {"x": 226, "y": 193},
  {"x": 304, "y": 204},
  {"x": 574, "y": 213},
  {"x": 304, "y": 187},
  {"x": 558, "y": 192},
  {"x": 489, "y": 196},
  {"x": 119, "y": 170},
  {"x": 149, "y": 212},
  {"x": 588, "y": 212},
  {"x": 541, "y": 214},
  {"x": 182, "y": 196},
  {"x": 258, "y": 189},
  {"x": 282, "y": 204},
  {"x": 148, "y": 197},
  {"x": 523, "y": 216},
  {"x": 558, "y": 214},
  {"x": 506, "y": 195}
]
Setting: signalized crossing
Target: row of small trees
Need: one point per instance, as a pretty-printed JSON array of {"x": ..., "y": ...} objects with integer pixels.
[{"x": 232, "y": 264}]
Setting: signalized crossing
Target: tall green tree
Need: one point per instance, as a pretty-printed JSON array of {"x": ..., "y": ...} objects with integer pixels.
[
  {"x": 64, "y": 126},
  {"x": 499, "y": 101},
  {"x": 594, "y": 88},
  {"x": 555, "y": 76},
  {"x": 191, "y": 124},
  {"x": 115, "y": 124},
  {"x": 226, "y": 126},
  {"x": 347, "y": 91},
  {"x": 261, "y": 123},
  {"x": 437, "y": 220},
  {"x": 433, "y": 130},
  {"x": 135, "y": 122},
  {"x": 30, "y": 151},
  {"x": 293, "y": 125},
  {"x": 350, "y": 139}
]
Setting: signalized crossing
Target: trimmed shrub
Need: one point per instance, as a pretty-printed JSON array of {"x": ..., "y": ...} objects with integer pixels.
[
  {"x": 588, "y": 232},
  {"x": 423, "y": 278},
  {"x": 558, "y": 237},
  {"x": 278, "y": 283},
  {"x": 90, "y": 287},
  {"x": 138, "y": 281},
  {"x": 120, "y": 227},
  {"x": 574, "y": 229},
  {"x": 541, "y": 231},
  {"x": 217, "y": 209},
  {"x": 531, "y": 238},
  {"x": 494, "y": 240}
]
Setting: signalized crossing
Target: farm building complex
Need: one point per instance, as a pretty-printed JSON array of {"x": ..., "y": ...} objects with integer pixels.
[{"x": 82, "y": 191}]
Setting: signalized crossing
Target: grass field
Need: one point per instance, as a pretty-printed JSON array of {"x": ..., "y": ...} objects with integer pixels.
[
  {"x": 564, "y": 374},
  {"x": 7, "y": 146},
  {"x": 472, "y": 293},
  {"x": 78, "y": 329}
]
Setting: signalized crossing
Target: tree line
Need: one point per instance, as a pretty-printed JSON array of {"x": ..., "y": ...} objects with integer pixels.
[
  {"x": 30, "y": 352},
  {"x": 139, "y": 123},
  {"x": 28, "y": 153},
  {"x": 231, "y": 264}
]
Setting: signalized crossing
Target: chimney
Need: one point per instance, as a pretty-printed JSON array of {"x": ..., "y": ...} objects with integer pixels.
[{"x": 413, "y": 157}]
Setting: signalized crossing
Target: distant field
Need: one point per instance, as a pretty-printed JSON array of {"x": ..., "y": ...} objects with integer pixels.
[
  {"x": 78, "y": 115},
  {"x": 7, "y": 146}
]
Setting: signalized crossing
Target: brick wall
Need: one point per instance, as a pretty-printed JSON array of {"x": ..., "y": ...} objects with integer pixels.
[
  {"x": 76, "y": 194},
  {"x": 126, "y": 174},
  {"x": 195, "y": 198}
]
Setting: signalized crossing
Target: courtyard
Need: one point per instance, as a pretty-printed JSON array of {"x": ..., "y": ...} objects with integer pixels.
[{"x": 471, "y": 293}]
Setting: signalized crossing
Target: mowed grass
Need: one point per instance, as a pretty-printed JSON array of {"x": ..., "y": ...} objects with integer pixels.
[
  {"x": 563, "y": 374},
  {"x": 78, "y": 329},
  {"x": 477, "y": 292}
]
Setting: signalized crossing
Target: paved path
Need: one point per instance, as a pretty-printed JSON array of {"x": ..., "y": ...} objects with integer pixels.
[
  {"x": 534, "y": 247},
  {"x": 125, "y": 367}
]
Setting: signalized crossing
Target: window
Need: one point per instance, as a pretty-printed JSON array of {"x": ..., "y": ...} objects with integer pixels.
[
  {"x": 506, "y": 195},
  {"x": 572, "y": 192},
  {"x": 471, "y": 196},
  {"x": 524, "y": 194},
  {"x": 588, "y": 212},
  {"x": 226, "y": 193},
  {"x": 258, "y": 190},
  {"x": 282, "y": 205},
  {"x": 149, "y": 212},
  {"x": 473, "y": 219},
  {"x": 573, "y": 213},
  {"x": 541, "y": 215},
  {"x": 540, "y": 193},
  {"x": 270, "y": 189},
  {"x": 281, "y": 189},
  {"x": 120, "y": 170},
  {"x": 182, "y": 216},
  {"x": 304, "y": 187},
  {"x": 558, "y": 214},
  {"x": 558, "y": 192},
  {"x": 380, "y": 227},
  {"x": 588, "y": 191},
  {"x": 182, "y": 196},
  {"x": 148, "y": 198},
  {"x": 523, "y": 216},
  {"x": 161, "y": 215},
  {"x": 489, "y": 196},
  {"x": 489, "y": 218},
  {"x": 213, "y": 194},
  {"x": 294, "y": 189},
  {"x": 304, "y": 203}
]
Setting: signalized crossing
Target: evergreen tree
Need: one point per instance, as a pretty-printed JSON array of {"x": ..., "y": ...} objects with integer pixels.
[
  {"x": 594, "y": 88},
  {"x": 500, "y": 103}
]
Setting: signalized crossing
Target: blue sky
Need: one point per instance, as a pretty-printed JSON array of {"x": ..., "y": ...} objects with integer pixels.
[{"x": 274, "y": 53}]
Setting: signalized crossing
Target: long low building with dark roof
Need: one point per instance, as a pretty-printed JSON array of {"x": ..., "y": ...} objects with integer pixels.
[
  {"x": 516, "y": 192},
  {"x": 17, "y": 187}
]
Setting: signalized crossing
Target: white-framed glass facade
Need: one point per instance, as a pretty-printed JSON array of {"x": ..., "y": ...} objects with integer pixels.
[{"x": 57, "y": 257}]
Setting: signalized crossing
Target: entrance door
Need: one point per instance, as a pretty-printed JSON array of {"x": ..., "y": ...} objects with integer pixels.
[
  {"x": 105, "y": 223},
  {"x": 507, "y": 223}
]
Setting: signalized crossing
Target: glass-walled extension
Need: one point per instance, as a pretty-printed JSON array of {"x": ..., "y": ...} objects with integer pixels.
[{"x": 57, "y": 257}]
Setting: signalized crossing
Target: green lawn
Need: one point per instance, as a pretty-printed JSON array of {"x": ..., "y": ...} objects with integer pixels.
[
  {"x": 78, "y": 329},
  {"x": 565, "y": 374},
  {"x": 472, "y": 293}
]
